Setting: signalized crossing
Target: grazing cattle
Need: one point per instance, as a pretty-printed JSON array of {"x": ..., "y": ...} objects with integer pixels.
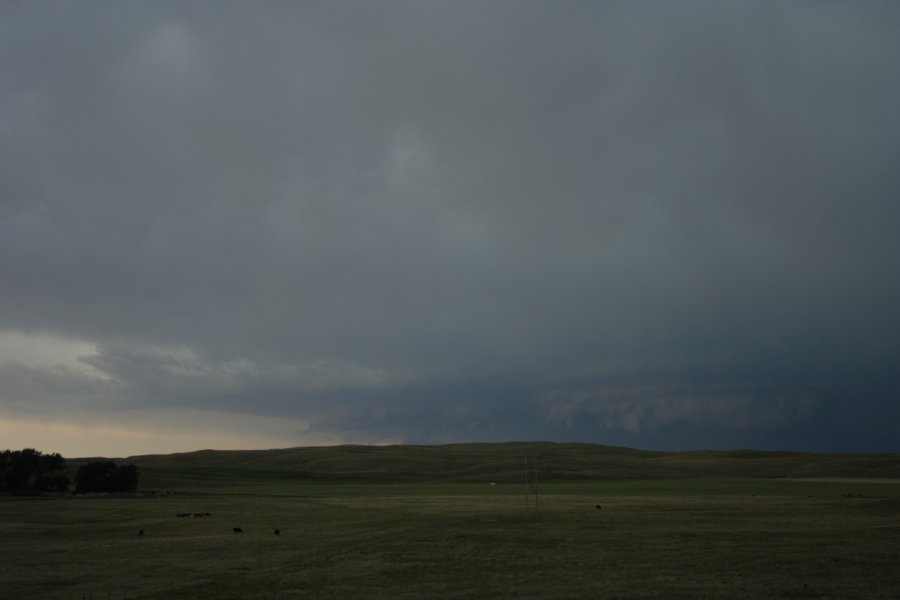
[
  {"x": 207, "y": 514},
  {"x": 140, "y": 532},
  {"x": 238, "y": 530},
  {"x": 183, "y": 515},
  {"x": 599, "y": 507},
  {"x": 277, "y": 532}
]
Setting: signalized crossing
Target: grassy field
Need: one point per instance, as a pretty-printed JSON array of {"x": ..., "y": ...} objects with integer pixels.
[
  {"x": 697, "y": 537},
  {"x": 461, "y": 463}
]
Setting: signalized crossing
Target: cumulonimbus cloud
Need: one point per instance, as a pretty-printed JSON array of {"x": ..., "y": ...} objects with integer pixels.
[{"x": 313, "y": 211}]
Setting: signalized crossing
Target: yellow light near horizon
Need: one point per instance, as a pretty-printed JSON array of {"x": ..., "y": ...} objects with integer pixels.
[{"x": 74, "y": 440}]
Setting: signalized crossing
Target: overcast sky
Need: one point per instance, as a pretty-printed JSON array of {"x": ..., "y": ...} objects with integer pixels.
[{"x": 666, "y": 225}]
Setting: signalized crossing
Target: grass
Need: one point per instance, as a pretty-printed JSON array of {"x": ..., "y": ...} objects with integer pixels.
[
  {"x": 683, "y": 537},
  {"x": 496, "y": 462}
]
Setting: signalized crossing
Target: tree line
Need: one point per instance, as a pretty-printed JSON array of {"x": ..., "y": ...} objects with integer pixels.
[{"x": 32, "y": 471}]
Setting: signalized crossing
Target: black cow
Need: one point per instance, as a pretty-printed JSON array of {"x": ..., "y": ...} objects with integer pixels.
[
  {"x": 277, "y": 532},
  {"x": 140, "y": 532},
  {"x": 599, "y": 507},
  {"x": 238, "y": 530}
]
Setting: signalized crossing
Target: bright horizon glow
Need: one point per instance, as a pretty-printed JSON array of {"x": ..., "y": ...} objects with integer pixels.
[{"x": 76, "y": 440}]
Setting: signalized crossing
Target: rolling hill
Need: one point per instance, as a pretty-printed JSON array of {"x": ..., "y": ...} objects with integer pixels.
[{"x": 490, "y": 462}]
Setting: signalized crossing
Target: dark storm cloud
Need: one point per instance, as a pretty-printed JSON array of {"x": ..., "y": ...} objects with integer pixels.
[{"x": 437, "y": 221}]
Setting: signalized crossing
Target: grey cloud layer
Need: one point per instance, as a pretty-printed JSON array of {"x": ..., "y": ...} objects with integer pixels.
[{"x": 420, "y": 217}]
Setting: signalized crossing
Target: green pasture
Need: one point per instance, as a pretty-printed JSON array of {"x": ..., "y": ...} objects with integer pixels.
[{"x": 702, "y": 537}]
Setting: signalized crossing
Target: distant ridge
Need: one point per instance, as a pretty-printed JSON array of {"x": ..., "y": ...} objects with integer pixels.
[{"x": 495, "y": 462}]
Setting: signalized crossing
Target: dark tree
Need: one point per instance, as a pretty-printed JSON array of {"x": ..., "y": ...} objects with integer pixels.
[
  {"x": 50, "y": 477},
  {"x": 125, "y": 478},
  {"x": 29, "y": 470},
  {"x": 54, "y": 483},
  {"x": 5, "y": 459},
  {"x": 94, "y": 476},
  {"x": 105, "y": 476}
]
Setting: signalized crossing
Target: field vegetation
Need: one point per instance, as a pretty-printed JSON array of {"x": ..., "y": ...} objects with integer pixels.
[{"x": 453, "y": 522}]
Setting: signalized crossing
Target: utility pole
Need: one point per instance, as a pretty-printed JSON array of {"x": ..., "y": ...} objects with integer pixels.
[{"x": 531, "y": 466}]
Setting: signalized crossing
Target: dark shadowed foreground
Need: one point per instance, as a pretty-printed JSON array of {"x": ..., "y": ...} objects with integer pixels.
[{"x": 717, "y": 537}]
